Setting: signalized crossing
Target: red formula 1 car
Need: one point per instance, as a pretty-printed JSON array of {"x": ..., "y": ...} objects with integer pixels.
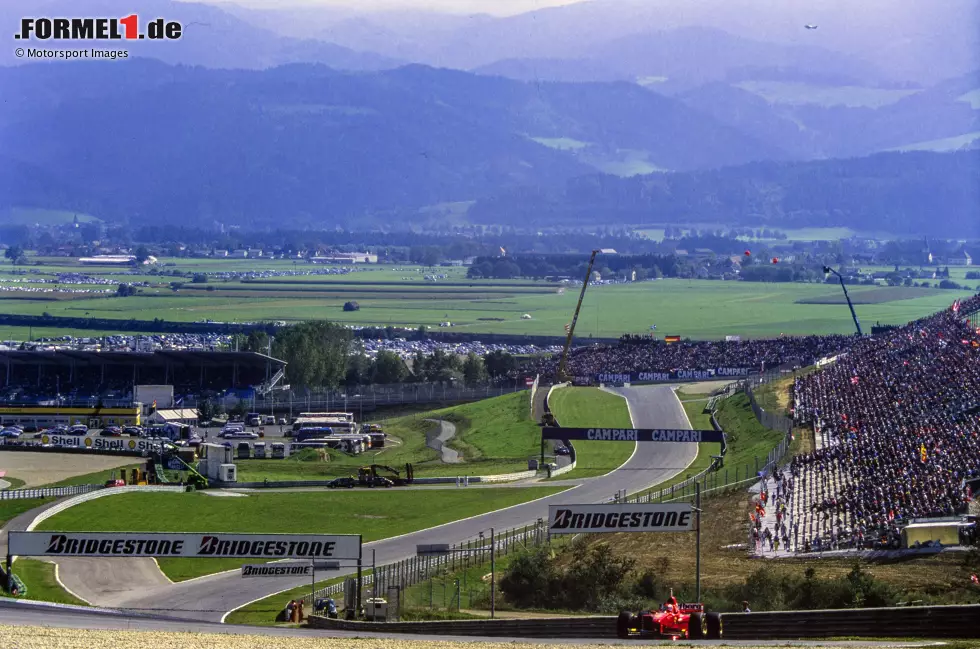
[{"x": 673, "y": 620}]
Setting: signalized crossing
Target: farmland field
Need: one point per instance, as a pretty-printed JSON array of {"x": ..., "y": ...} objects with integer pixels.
[{"x": 398, "y": 296}]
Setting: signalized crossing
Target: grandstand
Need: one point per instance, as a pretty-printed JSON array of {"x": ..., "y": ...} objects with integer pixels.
[
  {"x": 88, "y": 378},
  {"x": 896, "y": 422}
]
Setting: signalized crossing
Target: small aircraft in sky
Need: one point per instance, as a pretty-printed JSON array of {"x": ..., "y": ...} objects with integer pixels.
[{"x": 810, "y": 26}]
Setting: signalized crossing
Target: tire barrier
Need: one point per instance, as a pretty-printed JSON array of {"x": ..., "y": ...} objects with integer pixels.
[{"x": 897, "y": 622}]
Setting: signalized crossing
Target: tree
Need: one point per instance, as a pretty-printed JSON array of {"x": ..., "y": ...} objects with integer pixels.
[
  {"x": 14, "y": 253},
  {"x": 474, "y": 373},
  {"x": 499, "y": 363},
  {"x": 142, "y": 254},
  {"x": 199, "y": 278},
  {"x": 388, "y": 367},
  {"x": 316, "y": 353},
  {"x": 256, "y": 341},
  {"x": 125, "y": 290},
  {"x": 352, "y": 306},
  {"x": 208, "y": 409}
]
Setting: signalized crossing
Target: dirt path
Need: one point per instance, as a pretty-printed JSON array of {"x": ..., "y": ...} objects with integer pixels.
[
  {"x": 436, "y": 439},
  {"x": 37, "y": 469}
]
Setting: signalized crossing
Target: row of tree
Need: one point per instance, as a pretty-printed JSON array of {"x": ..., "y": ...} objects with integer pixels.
[
  {"x": 321, "y": 354},
  {"x": 595, "y": 579}
]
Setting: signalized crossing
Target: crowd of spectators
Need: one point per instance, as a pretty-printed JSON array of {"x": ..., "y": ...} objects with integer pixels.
[
  {"x": 900, "y": 416},
  {"x": 644, "y": 354}
]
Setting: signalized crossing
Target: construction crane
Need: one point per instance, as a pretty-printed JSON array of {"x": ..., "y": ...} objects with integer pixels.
[{"x": 562, "y": 375}]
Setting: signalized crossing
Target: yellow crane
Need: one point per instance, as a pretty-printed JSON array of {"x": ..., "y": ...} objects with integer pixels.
[{"x": 562, "y": 375}]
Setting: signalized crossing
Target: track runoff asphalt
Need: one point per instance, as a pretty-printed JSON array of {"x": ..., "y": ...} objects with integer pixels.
[{"x": 210, "y": 598}]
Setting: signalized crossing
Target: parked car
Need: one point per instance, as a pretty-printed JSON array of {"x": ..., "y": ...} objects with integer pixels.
[
  {"x": 78, "y": 429},
  {"x": 283, "y": 422},
  {"x": 133, "y": 431},
  {"x": 11, "y": 433},
  {"x": 111, "y": 431},
  {"x": 239, "y": 434},
  {"x": 345, "y": 482}
]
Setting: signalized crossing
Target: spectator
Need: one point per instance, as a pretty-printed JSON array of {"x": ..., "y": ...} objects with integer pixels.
[
  {"x": 745, "y": 607},
  {"x": 898, "y": 432}
]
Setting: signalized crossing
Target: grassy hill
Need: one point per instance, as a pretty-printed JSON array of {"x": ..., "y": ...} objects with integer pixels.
[{"x": 584, "y": 407}]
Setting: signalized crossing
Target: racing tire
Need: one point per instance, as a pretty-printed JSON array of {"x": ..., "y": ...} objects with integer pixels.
[
  {"x": 697, "y": 627},
  {"x": 623, "y": 624},
  {"x": 714, "y": 626}
]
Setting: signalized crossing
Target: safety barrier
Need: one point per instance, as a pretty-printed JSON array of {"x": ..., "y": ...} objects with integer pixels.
[
  {"x": 565, "y": 627},
  {"x": 896, "y": 622},
  {"x": 38, "y": 448},
  {"x": 48, "y": 492}
]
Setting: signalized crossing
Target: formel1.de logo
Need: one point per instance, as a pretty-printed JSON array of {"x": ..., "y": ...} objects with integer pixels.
[{"x": 98, "y": 29}]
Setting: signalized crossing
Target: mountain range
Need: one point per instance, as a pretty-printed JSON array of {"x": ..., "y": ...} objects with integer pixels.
[{"x": 318, "y": 117}]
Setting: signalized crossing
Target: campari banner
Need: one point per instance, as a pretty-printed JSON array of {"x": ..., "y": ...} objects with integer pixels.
[{"x": 674, "y": 375}]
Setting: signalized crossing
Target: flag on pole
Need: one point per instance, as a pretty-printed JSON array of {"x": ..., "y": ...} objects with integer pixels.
[
  {"x": 154, "y": 406},
  {"x": 956, "y": 306},
  {"x": 568, "y": 327}
]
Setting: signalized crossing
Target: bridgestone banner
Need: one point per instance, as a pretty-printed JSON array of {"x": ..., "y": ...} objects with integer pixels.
[
  {"x": 620, "y": 517},
  {"x": 277, "y": 570},
  {"x": 632, "y": 434},
  {"x": 148, "y": 544}
]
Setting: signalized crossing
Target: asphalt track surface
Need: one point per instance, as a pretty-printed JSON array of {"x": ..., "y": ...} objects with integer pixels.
[
  {"x": 36, "y": 614},
  {"x": 209, "y": 598}
]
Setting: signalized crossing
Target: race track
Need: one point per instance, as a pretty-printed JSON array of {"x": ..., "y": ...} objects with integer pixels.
[{"x": 209, "y": 598}]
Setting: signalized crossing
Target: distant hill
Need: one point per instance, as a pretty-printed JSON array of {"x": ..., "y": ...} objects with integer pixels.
[
  {"x": 942, "y": 114},
  {"x": 909, "y": 194},
  {"x": 212, "y": 37},
  {"x": 307, "y": 145}
]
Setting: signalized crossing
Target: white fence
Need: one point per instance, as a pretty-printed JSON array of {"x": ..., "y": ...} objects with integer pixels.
[{"x": 48, "y": 492}]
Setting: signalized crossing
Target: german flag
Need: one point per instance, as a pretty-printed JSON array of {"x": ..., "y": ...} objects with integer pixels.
[{"x": 672, "y": 339}]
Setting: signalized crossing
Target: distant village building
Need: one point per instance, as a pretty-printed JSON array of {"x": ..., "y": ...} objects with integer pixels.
[
  {"x": 345, "y": 258},
  {"x": 114, "y": 260}
]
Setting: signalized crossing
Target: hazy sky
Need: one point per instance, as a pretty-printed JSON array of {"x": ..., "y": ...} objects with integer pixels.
[{"x": 496, "y": 7}]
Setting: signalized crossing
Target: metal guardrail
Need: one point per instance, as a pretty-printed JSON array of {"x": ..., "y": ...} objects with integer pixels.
[{"x": 48, "y": 492}]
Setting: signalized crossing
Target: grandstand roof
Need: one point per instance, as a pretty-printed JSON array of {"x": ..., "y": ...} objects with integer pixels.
[{"x": 160, "y": 358}]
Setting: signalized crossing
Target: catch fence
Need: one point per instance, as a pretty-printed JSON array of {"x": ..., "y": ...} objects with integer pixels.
[{"x": 404, "y": 574}]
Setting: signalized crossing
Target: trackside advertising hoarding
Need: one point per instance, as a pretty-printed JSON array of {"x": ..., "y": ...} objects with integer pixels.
[
  {"x": 620, "y": 517},
  {"x": 149, "y": 544},
  {"x": 277, "y": 570},
  {"x": 673, "y": 375},
  {"x": 101, "y": 443},
  {"x": 632, "y": 434}
]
